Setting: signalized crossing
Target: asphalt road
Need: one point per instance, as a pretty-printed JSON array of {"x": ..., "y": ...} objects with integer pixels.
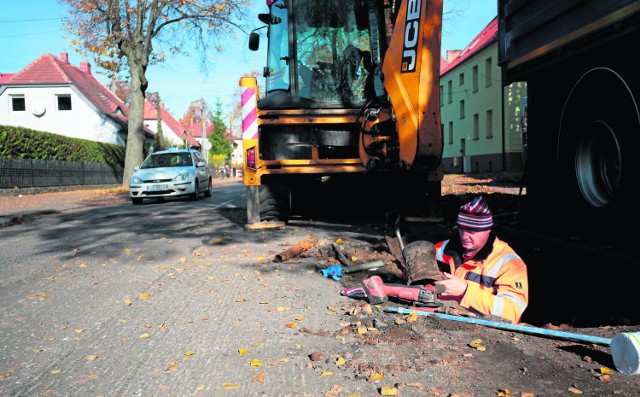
[{"x": 172, "y": 298}]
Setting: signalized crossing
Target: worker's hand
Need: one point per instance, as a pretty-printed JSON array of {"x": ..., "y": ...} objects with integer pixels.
[{"x": 454, "y": 287}]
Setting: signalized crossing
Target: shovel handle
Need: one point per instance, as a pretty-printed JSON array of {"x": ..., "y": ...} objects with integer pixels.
[{"x": 363, "y": 266}]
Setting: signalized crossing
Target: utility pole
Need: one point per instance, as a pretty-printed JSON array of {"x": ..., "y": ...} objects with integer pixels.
[{"x": 204, "y": 146}]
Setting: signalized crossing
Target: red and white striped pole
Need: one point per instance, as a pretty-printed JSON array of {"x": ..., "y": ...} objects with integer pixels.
[{"x": 249, "y": 103}]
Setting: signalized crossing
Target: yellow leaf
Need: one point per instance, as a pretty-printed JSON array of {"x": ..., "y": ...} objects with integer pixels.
[
  {"x": 475, "y": 342},
  {"x": 127, "y": 302},
  {"x": 127, "y": 250},
  {"x": 574, "y": 390},
  {"x": 231, "y": 386},
  {"x": 122, "y": 321},
  {"x": 143, "y": 336},
  {"x": 216, "y": 240},
  {"x": 145, "y": 295},
  {"x": 200, "y": 387},
  {"x": 354, "y": 258},
  {"x": 281, "y": 309},
  {"x": 299, "y": 318},
  {"x": 291, "y": 324},
  {"x": 189, "y": 353},
  {"x": 83, "y": 265},
  {"x": 339, "y": 240},
  {"x": 56, "y": 371},
  {"x": 526, "y": 394},
  {"x": 258, "y": 378},
  {"x": 242, "y": 352},
  {"x": 340, "y": 361},
  {"x": 256, "y": 344},
  {"x": 92, "y": 357},
  {"x": 240, "y": 300},
  {"x": 481, "y": 348},
  {"x": 354, "y": 311},
  {"x": 79, "y": 331},
  {"x": 256, "y": 363},
  {"x": 388, "y": 391},
  {"x": 376, "y": 376},
  {"x": 172, "y": 368},
  {"x": 183, "y": 260},
  {"x": 260, "y": 258},
  {"x": 326, "y": 373},
  {"x": 412, "y": 317},
  {"x": 606, "y": 371}
]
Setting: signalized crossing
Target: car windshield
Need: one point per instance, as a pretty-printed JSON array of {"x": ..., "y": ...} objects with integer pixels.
[{"x": 167, "y": 160}]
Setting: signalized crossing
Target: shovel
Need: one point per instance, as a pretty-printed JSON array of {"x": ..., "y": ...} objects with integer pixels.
[{"x": 336, "y": 271}]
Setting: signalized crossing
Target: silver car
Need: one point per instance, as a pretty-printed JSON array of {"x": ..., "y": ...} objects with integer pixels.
[{"x": 171, "y": 173}]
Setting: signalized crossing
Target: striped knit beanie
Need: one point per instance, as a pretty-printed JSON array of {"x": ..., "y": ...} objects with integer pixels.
[{"x": 475, "y": 215}]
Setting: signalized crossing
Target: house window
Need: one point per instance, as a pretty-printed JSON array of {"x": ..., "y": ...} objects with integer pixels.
[
  {"x": 18, "y": 103},
  {"x": 451, "y": 133},
  {"x": 461, "y": 79},
  {"x": 488, "y": 76},
  {"x": 64, "y": 102},
  {"x": 476, "y": 127},
  {"x": 462, "y": 109},
  {"x": 475, "y": 78},
  {"x": 450, "y": 92},
  {"x": 489, "y": 123}
]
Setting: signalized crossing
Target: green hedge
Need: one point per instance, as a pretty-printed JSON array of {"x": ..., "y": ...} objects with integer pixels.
[{"x": 27, "y": 143}]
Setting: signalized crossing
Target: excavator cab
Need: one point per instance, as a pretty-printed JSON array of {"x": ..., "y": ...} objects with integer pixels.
[{"x": 322, "y": 54}]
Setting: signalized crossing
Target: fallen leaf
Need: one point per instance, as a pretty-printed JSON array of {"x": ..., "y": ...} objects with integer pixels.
[
  {"x": 526, "y": 394},
  {"x": 291, "y": 324},
  {"x": 256, "y": 344},
  {"x": 200, "y": 387},
  {"x": 56, "y": 371},
  {"x": 256, "y": 363},
  {"x": 231, "y": 386},
  {"x": 145, "y": 295},
  {"x": 127, "y": 250},
  {"x": 173, "y": 367},
  {"x": 412, "y": 317},
  {"x": 376, "y": 376},
  {"x": 388, "y": 391},
  {"x": 475, "y": 342},
  {"x": 339, "y": 240},
  {"x": 326, "y": 373},
  {"x": 605, "y": 370},
  {"x": 242, "y": 352},
  {"x": 79, "y": 330},
  {"x": 189, "y": 353},
  {"x": 258, "y": 378},
  {"x": 127, "y": 302},
  {"x": 340, "y": 361},
  {"x": 83, "y": 265},
  {"x": 574, "y": 390},
  {"x": 183, "y": 260},
  {"x": 416, "y": 384},
  {"x": 240, "y": 300},
  {"x": 143, "y": 336},
  {"x": 92, "y": 357}
]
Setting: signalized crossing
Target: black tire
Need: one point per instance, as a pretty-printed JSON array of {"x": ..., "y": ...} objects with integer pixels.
[
  {"x": 208, "y": 191},
  {"x": 597, "y": 142},
  {"x": 196, "y": 192},
  {"x": 275, "y": 202},
  {"x": 136, "y": 200}
]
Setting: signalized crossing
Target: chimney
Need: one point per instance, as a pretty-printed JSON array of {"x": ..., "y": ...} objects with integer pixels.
[
  {"x": 453, "y": 54},
  {"x": 64, "y": 56},
  {"x": 85, "y": 67}
]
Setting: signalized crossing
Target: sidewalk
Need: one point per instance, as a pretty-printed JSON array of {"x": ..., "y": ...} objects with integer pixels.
[{"x": 13, "y": 208}]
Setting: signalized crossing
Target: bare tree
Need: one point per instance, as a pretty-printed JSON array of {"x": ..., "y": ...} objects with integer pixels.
[{"x": 121, "y": 34}]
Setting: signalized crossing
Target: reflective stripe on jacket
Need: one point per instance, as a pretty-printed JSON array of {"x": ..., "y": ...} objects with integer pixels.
[{"x": 496, "y": 277}]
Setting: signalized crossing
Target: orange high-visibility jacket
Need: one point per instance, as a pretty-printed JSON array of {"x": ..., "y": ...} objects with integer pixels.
[{"x": 496, "y": 277}]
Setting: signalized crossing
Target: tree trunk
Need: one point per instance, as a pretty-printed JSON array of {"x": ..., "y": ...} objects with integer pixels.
[{"x": 135, "y": 136}]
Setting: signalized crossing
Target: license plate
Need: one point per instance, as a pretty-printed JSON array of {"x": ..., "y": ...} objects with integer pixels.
[{"x": 155, "y": 188}]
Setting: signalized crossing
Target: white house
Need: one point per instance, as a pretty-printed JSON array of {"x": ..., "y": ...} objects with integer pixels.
[{"x": 54, "y": 96}]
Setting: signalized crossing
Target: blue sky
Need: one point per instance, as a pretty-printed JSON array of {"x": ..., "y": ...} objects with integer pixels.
[{"x": 30, "y": 28}]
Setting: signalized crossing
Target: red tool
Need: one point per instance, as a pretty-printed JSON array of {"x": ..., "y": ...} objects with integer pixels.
[{"x": 377, "y": 292}]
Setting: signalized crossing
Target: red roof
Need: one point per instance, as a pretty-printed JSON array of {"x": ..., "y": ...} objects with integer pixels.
[
  {"x": 178, "y": 129},
  {"x": 4, "y": 77},
  {"x": 196, "y": 129},
  {"x": 49, "y": 69},
  {"x": 487, "y": 36}
]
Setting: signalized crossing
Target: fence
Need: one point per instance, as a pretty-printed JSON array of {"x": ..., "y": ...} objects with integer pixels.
[{"x": 33, "y": 173}]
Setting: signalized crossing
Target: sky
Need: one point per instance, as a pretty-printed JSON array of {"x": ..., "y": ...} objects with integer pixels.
[{"x": 31, "y": 28}]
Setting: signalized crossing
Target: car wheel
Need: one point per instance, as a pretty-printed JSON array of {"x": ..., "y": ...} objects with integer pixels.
[
  {"x": 136, "y": 200},
  {"x": 208, "y": 192},
  {"x": 196, "y": 193}
]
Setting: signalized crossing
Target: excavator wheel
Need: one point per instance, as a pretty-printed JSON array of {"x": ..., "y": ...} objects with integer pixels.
[{"x": 275, "y": 202}]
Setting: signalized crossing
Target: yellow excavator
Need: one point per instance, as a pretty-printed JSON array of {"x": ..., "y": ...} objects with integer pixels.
[{"x": 352, "y": 101}]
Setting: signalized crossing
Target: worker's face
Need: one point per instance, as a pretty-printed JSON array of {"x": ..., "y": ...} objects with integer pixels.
[{"x": 472, "y": 239}]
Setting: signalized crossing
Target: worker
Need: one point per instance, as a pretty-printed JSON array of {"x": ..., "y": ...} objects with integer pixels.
[{"x": 486, "y": 275}]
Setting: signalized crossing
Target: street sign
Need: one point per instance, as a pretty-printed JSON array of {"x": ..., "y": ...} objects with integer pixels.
[{"x": 207, "y": 145}]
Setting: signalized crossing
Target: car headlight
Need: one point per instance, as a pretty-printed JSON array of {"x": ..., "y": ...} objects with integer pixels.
[
  {"x": 182, "y": 177},
  {"x": 135, "y": 180}
]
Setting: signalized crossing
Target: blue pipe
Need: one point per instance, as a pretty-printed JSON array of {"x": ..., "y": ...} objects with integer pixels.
[{"x": 512, "y": 327}]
